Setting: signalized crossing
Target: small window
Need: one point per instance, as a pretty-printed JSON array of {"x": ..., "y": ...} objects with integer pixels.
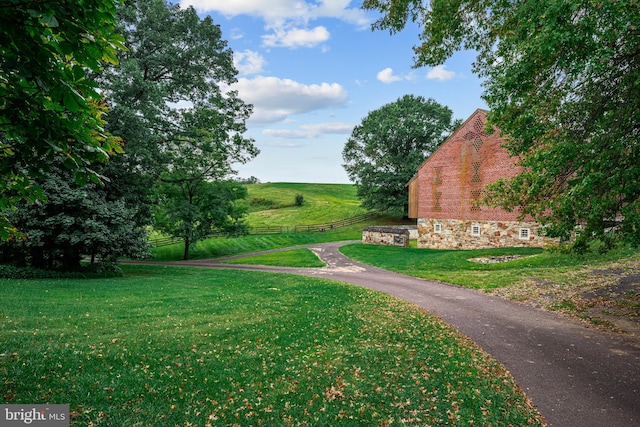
[
  {"x": 437, "y": 228},
  {"x": 475, "y": 230},
  {"x": 525, "y": 233}
]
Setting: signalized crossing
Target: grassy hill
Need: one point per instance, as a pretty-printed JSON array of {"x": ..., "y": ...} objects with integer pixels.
[{"x": 273, "y": 204}]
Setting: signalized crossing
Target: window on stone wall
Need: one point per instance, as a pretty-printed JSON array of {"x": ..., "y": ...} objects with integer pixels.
[
  {"x": 525, "y": 233},
  {"x": 475, "y": 230},
  {"x": 437, "y": 228}
]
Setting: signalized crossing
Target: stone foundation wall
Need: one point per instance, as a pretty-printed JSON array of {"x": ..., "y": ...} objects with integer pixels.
[
  {"x": 457, "y": 234},
  {"x": 389, "y": 236}
]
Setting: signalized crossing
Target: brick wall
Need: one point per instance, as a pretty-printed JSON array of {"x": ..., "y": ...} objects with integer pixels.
[
  {"x": 449, "y": 185},
  {"x": 452, "y": 179}
]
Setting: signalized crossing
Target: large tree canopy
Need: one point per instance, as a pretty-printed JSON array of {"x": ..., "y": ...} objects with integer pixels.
[
  {"x": 75, "y": 221},
  {"x": 167, "y": 102},
  {"x": 49, "y": 108},
  {"x": 385, "y": 150},
  {"x": 562, "y": 81},
  {"x": 181, "y": 133}
]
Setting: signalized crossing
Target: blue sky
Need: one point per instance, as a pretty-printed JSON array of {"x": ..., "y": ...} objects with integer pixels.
[{"x": 314, "y": 69}]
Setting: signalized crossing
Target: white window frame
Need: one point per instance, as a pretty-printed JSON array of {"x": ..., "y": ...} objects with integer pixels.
[
  {"x": 475, "y": 230},
  {"x": 437, "y": 228},
  {"x": 524, "y": 234}
]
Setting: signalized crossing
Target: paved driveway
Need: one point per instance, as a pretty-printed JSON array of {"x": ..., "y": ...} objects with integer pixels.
[{"x": 574, "y": 375}]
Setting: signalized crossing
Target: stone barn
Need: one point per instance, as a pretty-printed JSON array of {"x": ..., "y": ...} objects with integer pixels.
[{"x": 445, "y": 192}]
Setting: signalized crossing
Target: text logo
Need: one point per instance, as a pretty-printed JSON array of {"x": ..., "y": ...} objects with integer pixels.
[{"x": 34, "y": 415}]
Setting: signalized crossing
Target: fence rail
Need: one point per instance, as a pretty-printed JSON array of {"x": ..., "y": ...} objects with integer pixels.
[
  {"x": 164, "y": 241},
  {"x": 267, "y": 230},
  {"x": 318, "y": 228},
  {"x": 310, "y": 228}
]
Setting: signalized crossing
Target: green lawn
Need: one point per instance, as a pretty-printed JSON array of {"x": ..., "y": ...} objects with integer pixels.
[
  {"x": 290, "y": 258},
  {"x": 455, "y": 266},
  {"x": 220, "y": 246},
  {"x": 272, "y": 204},
  {"x": 168, "y": 346}
]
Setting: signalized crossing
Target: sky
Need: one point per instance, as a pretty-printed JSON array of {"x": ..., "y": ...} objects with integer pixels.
[{"x": 314, "y": 69}]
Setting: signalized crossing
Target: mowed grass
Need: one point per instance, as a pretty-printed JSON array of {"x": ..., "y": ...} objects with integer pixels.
[
  {"x": 169, "y": 346},
  {"x": 288, "y": 258},
  {"x": 273, "y": 204},
  {"x": 221, "y": 246},
  {"x": 457, "y": 268}
]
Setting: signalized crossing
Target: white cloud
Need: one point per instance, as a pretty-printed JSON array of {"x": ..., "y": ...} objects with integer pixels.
[
  {"x": 387, "y": 76},
  {"x": 296, "y": 37},
  {"x": 248, "y": 62},
  {"x": 280, "y": 144},
  {"x": 440, "y": 73},
  {"x": 311, "y": 130},
  {"x": 236, "y": 34},
  {"x": 283, "y": 10},
  {"x": 276, "y": 99},
  {"x": 285, "y": 133}
]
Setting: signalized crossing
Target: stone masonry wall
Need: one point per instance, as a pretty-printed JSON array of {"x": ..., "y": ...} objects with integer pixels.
[
  {"x": 457, "y": 234},
  {"x": 389, "y": 236}
]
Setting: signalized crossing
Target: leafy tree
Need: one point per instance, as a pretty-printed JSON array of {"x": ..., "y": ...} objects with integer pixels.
[
  {"x": 167, "y": 102},
  {"x": 385, "y": 150},
  {"x": 49, "y": 108},
  {"x": 562, "y": 80},
  {"x": 73, "y": 222},
  {"x": 195, "y": 209}
]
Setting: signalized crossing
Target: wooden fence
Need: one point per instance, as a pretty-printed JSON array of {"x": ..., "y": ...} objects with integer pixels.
[
  {"x": 319, "y": 228},
  {"x": 311, "y": 228}
]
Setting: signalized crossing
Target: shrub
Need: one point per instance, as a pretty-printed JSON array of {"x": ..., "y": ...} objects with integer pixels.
[
  {"x": 299, "y": 200},
  {"x": 263, "y": 203},
  {"x": 97, "y": 270}
]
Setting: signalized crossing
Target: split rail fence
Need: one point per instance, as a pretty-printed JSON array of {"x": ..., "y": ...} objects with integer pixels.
[{"x": 311, "y": 228}]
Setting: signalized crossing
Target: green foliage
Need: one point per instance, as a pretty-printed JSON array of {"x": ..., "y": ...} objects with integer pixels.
[
  {"x": 185, "y": 346},
  {"x": 299, "y": 200},
  {"x": 50, "y": 109},
  {"x": 385, "y": 150},
  {"x": 260, "y": 203},
  {"x": 182, "y": 131},
  {"x": 97, "y": 270},
  {"x": 562, "y": 80},
  {"x": 74, "y": 222},
  {"x": 193, "y": 210}
]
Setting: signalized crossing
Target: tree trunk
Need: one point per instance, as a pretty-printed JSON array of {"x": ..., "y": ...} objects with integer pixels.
[{"x": 186, "y": 249}]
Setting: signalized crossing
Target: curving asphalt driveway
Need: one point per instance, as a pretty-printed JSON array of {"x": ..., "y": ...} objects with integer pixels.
[{"x": 575, "y": 376}]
